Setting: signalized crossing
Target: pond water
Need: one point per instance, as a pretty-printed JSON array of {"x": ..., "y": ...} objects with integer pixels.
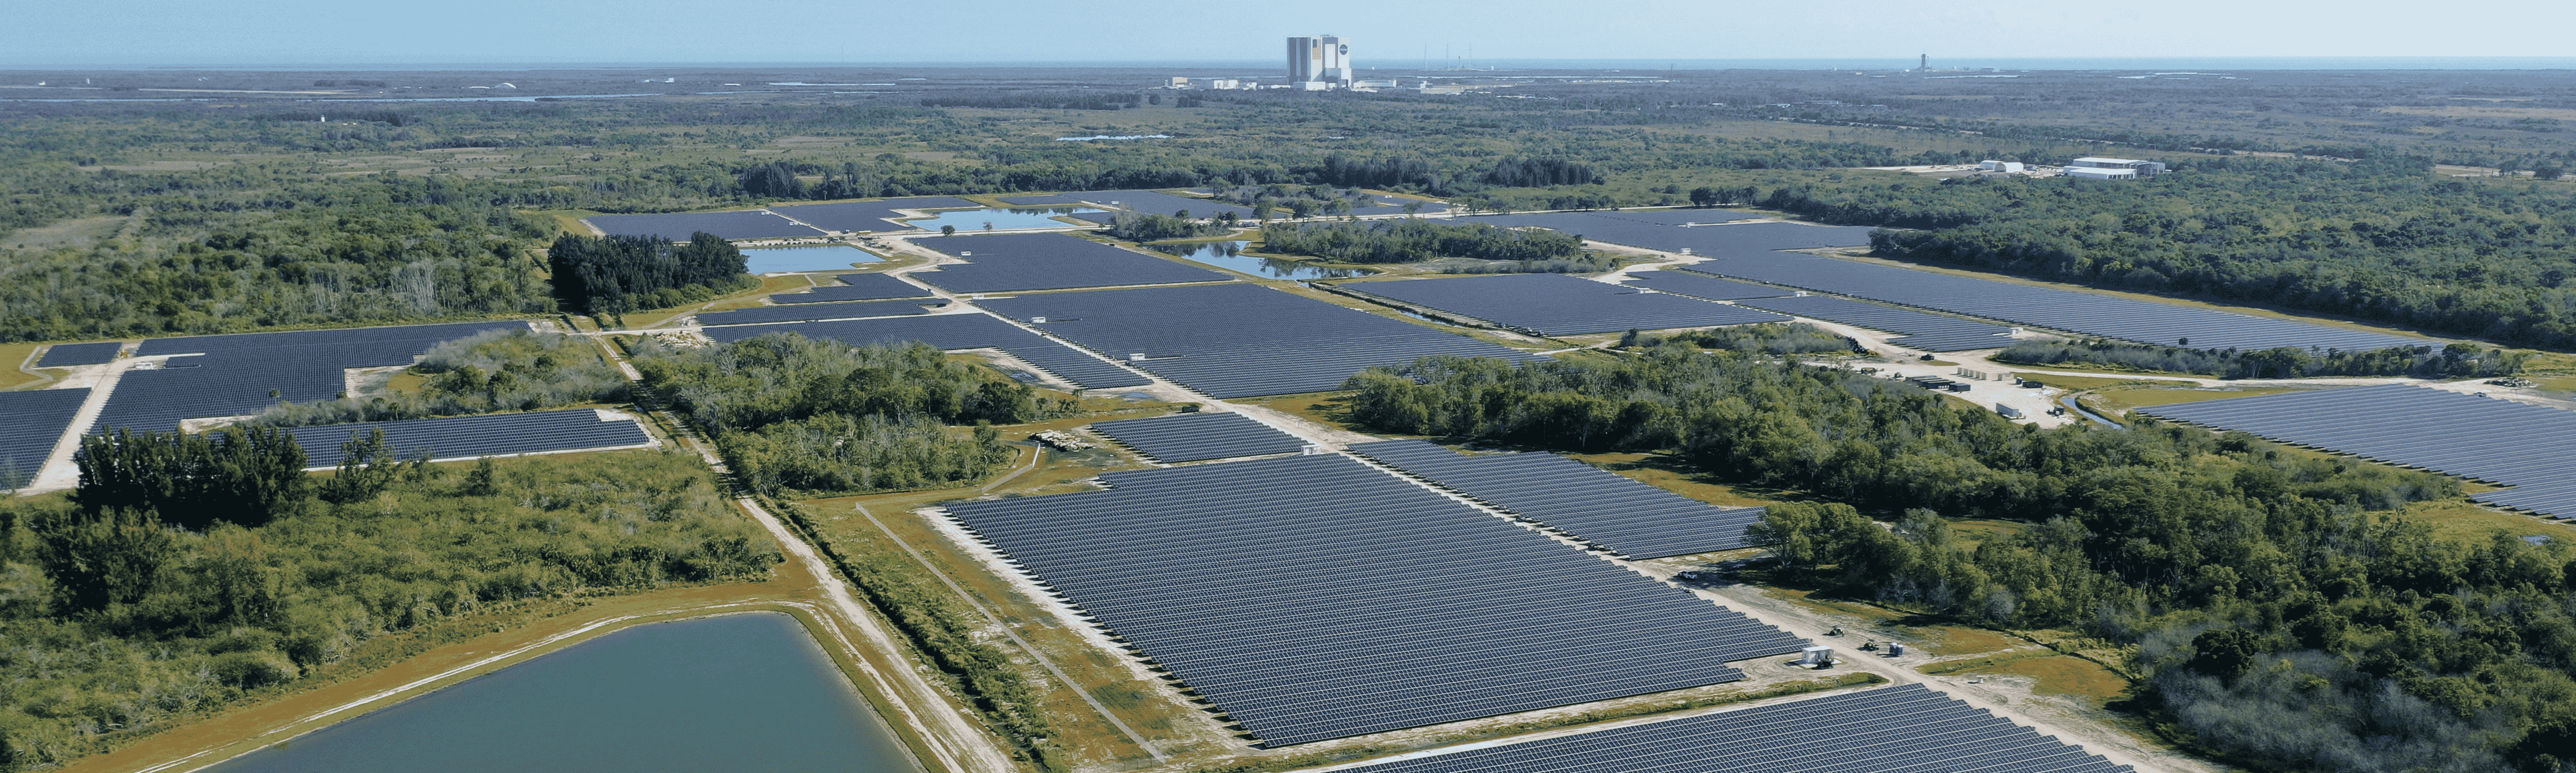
[
  {"x": 1002, "y": 219},
  {"x": 827, "y": 257},
  {"x": 738, "y": 692},
  {"x": 1230, "y": 255}
]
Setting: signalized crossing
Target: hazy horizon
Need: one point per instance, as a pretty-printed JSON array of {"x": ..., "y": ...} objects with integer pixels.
[{"x": 307, "y": 34}]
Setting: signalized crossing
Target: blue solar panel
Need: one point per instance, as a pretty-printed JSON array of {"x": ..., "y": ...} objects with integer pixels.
[
  {"x": 1049, "y": 261},
  {"x": 2529, "y": 447},
  {"x": 1312, "y": 597},
  {"x": 30, "y": 423},
  {"x": 463, "y": 437},
  {"x": 1703, "y": 286},
  {"x": 1192, "y": 437},
  {"x": 1905, "y": 729},
  {"x": 2087, "y": 313},
  {"x": 1624, "y": 516},
  {"x": 855, "y": 287},
  {"x": 242, "y": 374},
  {"x": 867, "y": 215},
  {"x": 746, "y": 224},
  {"x": 1928, "y": 332},
  {"x": 1556, "y": 304},
  {"x": 65, "y": 355},
  {"x": 1748, "y": 251},
  {"x": 1238, "y": 340},
  {"x": 952, "y": 332},
  {"x": 804, "y": 311}
]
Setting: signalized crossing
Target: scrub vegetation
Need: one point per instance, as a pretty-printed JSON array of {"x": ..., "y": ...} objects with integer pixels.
[
  {"x": 815, "y": 417},
  {"x": 501, "y": 370}
]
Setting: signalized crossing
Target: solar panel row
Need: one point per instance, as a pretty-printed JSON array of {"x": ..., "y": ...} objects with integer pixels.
[
  {"x": 1929, "y": 332},
  {"x": 1311, "y": 597},
  {"x": 462, "y": 437},
  {"x": 1049, "y": 261},
  {"x": 241, "y": 374},
  {"x": 1653, "y": 230},
  {"x": 680, "y": 226},
  {"x": 952, "y": 332},
  {"x": 1627, "y": 517},
  {"x": 795, "y": 312},
  {"x": 867, "y": 215},
  {"x": 1556, "y": 304},
  {"x": 66, "y": 355},
  {"x": 2087, "y": 313},
  {"x": 1746, "y": 250},
  {"x": 1908, "y": 729},
  {"x": 1238, "y": 340},
  {"x": 2529, "y": 447},
  {"x": 855, "y": 287},
  {"x": 1192, "y": 437},
  {"x": 1703, "y": 286},
  {"x": 30, "y": 423}
]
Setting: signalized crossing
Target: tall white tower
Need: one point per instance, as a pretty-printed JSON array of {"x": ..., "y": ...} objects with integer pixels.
[{"x": 1320, "y": 59}]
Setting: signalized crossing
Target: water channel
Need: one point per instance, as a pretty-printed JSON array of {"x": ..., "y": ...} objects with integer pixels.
[
  {"x": 1002, "y": 219},
  {"x": 1230, "y": 255},
  {"x": 827, "y": 257},
  {"x": 737, "y": 692}
]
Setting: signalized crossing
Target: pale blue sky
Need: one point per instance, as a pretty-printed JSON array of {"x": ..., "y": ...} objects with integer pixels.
[{"x": 40, "y": 33}]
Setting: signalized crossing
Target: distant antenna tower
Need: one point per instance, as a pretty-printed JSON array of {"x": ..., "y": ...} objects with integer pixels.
[{"x": 1927, "y": 62}]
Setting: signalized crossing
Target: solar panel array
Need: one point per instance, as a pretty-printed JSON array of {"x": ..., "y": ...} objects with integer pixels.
[
  {"x": 952, "y": 332},
  {"x": 1192, "y": 437},
  {"x": 1703, "y": 286},
  {"x": 2529, "y": 447},
  {"x": 867, "y": 215},
  {"x": 1747, "y": 251},
  {"x": 1627, "y": 517},
  {"x": 1049, "y": 261},
  {"x": 1311, "y": 597},
  {"x": 855, "y": 287},
  {"x": 1556, "y": 304},
  {"x": 30, "y": 423},
  {"x": 1908, "y": 729},
  {"x": 746, "y": 224},
  {"x": 1653, "y": 230},
  {"x": 795, "y": 312},
  {"x": 1040, "y": 201},
  {"x": 241, "y": 374},
  {"x": 65, "y": 355},
  {"x": 1238, "y": 340},
  {"x": 2087, "y": 313},
  {"x": 1928, "y": 332},
  {"x": 462, "y": 437}
]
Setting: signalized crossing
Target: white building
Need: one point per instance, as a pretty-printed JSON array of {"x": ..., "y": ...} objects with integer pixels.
[
  {"x": 2101, "y": 173},
  {"x": 2000, "y": 166},
  {"x": 2143, "y": 168},
  {"x": 1319, "y": 59}
]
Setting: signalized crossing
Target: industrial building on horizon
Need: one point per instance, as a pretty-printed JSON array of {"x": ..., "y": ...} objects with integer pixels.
[{"x": 1319, "y": 62}]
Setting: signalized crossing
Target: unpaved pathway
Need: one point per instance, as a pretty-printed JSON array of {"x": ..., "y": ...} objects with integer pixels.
[{"x": 2095, "y": 738}]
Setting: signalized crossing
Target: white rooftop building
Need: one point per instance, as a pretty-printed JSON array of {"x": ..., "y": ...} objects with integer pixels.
[{"x": 2143, "y": 168}]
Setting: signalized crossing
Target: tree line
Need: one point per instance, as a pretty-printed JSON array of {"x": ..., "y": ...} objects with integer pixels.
[
  {"x": 1409, "y": 240},
  {"x": 2448, "y": 361}
]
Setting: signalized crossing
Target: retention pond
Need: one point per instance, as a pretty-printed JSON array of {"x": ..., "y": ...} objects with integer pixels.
[
  {"x": 738, "y": 692},
  {"x": 829, "y": 257}
]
